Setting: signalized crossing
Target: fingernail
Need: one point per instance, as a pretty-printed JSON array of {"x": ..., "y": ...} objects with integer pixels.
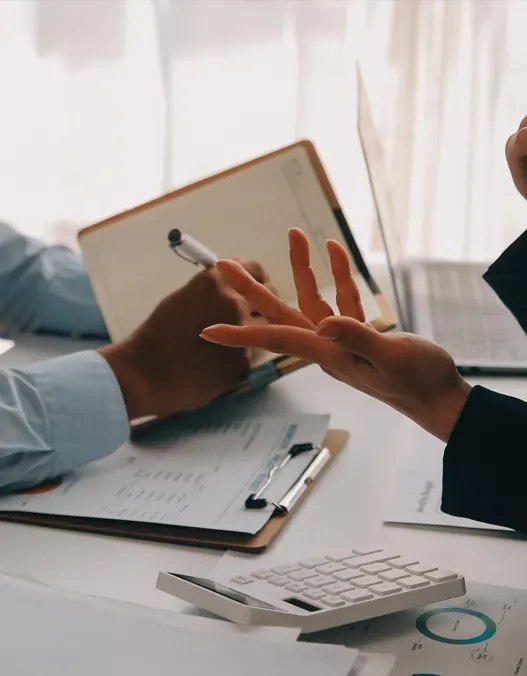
[
  {"x": 329, "y": 331},
  {"x": 208, "y": 334}
]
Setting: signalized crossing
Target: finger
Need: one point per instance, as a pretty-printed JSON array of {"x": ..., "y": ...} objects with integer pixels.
[
  {"x": 291, "y": 340},
  {"x": 348, "y": 297},
  {"x": 257, "y": 272},
  {"x": 259, "y": 297},
  {"x": 310, "y": 301},
  {"x": 255, "y": 269},
  {"x": 358, "y": 337}
]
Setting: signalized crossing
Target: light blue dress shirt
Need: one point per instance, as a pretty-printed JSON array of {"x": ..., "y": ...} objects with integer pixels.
[{"x": 58, "y": 414}]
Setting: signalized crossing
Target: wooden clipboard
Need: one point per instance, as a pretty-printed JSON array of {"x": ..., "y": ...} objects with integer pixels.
[{"x": 335, "y": 442}]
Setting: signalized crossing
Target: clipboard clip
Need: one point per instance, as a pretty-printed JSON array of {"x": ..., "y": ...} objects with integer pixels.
[{"x": 284, "y": 506}]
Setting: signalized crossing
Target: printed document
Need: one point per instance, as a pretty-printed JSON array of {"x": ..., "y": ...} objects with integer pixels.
[
  {"x": 417, "y": 495},
  {"x": 197, "y": 474},
  {"x": 481, "y": 633}
]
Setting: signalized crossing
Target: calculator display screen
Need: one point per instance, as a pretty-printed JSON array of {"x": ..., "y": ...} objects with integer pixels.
[{"x": 220, "y": 589}]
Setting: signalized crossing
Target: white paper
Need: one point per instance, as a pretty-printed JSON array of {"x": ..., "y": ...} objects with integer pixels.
[
  {"x": 483, "y": 632},
  {"x": 5, "y": 345},
  {"x": 54, "y": 636},
  {"x": 417, "y": 495},
  {"x": 197, "y": 474},
  {"x": 174, "y": 619},
  {"x": 373, "y": 664}
]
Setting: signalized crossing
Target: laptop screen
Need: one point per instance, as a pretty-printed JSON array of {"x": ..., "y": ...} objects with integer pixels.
[{"x": 389, "y": 255}]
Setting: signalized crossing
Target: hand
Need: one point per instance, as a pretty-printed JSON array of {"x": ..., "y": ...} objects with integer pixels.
[
  {"x": 164, "y": 367},
  {"x": 413, "y": 375},
  {"x": 516, "y": 152}
]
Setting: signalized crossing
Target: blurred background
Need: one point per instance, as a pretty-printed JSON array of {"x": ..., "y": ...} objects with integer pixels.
[{"x": 108, "y": 103}]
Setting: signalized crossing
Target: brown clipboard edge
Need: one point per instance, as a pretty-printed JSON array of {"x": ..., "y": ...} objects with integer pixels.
[{"x": 335, "y": 442}]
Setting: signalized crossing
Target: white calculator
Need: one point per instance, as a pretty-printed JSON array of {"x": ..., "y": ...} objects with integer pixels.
[{"x": 320, "y": 593}]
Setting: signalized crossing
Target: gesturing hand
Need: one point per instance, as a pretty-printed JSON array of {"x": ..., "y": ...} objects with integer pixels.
[{"x": 411, "y": 374}]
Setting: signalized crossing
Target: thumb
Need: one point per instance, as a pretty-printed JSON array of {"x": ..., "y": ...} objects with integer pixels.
[
  {"x": 357, "y": 337},
  {"x": 516, "y": 151}
]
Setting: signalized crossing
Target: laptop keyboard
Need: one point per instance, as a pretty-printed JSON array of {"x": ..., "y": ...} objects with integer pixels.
[{"x": 468, "y": 319}]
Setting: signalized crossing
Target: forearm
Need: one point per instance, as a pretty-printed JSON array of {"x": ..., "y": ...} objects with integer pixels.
[
  {"x": 45, "y": 288},
  {"x": 485, "y": 461},
  {"x": 57, "y": 415}
]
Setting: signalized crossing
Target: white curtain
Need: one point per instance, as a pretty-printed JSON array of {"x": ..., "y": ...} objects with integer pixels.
[
  {"x": 450, "y": 80},
  {"x": 105, "y": 104}
]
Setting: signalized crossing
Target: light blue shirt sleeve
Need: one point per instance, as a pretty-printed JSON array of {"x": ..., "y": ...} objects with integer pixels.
[
  {"x": 59, "y": 414},
  {"x": 56, "y": 415},
  {"x": 45, "y": 288}
]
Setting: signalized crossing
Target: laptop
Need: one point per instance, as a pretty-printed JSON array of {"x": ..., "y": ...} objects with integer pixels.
[{"x": 445, "y": 301}]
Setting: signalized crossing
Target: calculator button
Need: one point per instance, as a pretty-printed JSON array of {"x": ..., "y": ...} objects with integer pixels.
[
  {"x": 337, "y": 558},
  {"x": 319, "y": 581},
  {"x": 333, "y": 601},
  {"x": 346, "y": 575},
  {"x": 413, "y": 582},
  {"x": 278, "y": 580},
  {"x": 375, "y": 568},
  {"x": 403, "y": 562},
  {"x": 386, "y": 588},
  {"x": 242, "y": 579},
  {"x": 364, "y": 551},
  {"x": 360, "y": 561},
  {"x": 440, "y": 576},
  {"x": 421, "y": 568},
  {"x": 262, "y": 574},
  {"x": 296, "y": 587},
  {"x": 284, "y": 570},
  {"x": 315, "y": 594},
  {"x": 337, "y": 588},
  {"x": 357, "y": 595},
  {"x": 330, "y": 568},
  {"x": 393, "y": 575},
  {"x": 366, "y": 581},
  {"x": 301, "y": 575},
  {"x": 313, "y": 563}
]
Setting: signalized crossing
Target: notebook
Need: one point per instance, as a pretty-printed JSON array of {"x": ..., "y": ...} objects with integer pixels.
[{"x": 244, "y": 211}]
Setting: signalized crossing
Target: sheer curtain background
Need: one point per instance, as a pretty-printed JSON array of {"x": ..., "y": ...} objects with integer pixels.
[{"x": 107, "y": 104}]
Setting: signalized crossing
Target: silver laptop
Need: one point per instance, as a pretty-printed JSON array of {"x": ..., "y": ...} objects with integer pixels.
[{"x": 445, "y": 301}]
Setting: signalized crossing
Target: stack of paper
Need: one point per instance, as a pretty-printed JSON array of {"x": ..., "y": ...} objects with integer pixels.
[{"x": 45, "y": 632}]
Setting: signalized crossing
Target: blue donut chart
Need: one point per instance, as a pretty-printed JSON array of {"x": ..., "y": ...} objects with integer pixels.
[{"x": 487, "y": 633}]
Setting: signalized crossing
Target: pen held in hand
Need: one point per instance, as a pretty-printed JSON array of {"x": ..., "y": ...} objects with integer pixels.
[{"x": 190, "y": 250}]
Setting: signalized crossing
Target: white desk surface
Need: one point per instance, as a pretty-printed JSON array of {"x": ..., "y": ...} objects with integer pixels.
[{"x": 346, "y": 507}]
